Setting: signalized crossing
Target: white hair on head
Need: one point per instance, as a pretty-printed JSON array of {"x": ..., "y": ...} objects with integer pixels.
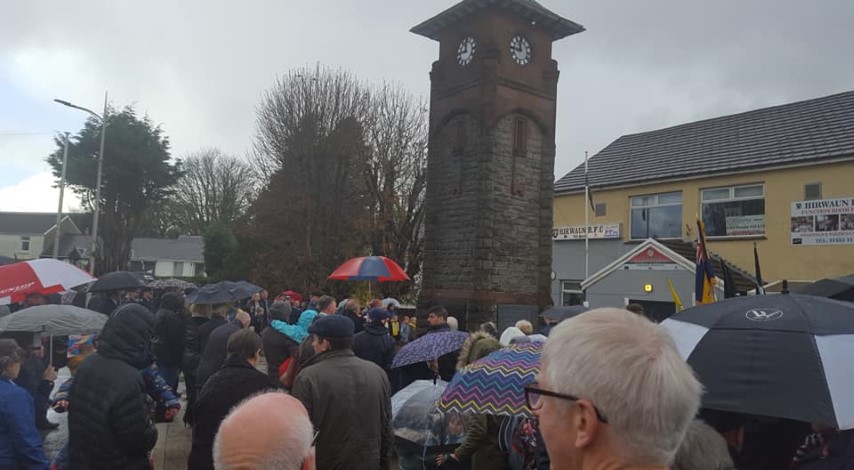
[
  {"x": 509, "y": 334},
  {"x": 629, "y": 368},
  {"x": 702, "y": 449},
  {"x": 453, "y": 323},
  {"x": 294, "y": 434}
]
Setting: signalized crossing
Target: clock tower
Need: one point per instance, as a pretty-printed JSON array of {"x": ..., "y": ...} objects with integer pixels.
[{"x": 490, "y": 170}]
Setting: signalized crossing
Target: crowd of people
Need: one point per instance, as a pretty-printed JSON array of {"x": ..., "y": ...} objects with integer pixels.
[{"x": 612, "y": 392}]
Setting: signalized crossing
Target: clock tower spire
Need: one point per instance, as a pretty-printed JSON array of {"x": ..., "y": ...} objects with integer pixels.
[{"x": 490, "y": 170}]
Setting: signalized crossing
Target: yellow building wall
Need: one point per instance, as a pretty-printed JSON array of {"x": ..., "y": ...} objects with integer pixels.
[{"x": 778, "y": 257}]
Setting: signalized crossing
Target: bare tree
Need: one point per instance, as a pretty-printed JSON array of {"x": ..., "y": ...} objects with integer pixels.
[
  {"x": 396, "y": 177},
  {"x": 215, "y": 187},
  {"x": 310, "y": 147}
]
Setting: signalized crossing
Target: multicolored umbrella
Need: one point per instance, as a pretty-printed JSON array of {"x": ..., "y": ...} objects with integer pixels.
[
  {"x": 369, "y": 268},
  {"x": 495, "y": 384},
  {"x": 429, "y": 347},
  {"x": 43, "y": 276},
  {"x": 171, "y": 284}
]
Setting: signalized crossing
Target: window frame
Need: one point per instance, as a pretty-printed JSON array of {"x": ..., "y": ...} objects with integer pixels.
[
  {"x": 733, "y": 198},
  {"x": 820, "y": 192},
  {"x": 603, "y": 212},
  {"x": 633, "y": 207},
  {"x": 564, "y": 291},
  {"x": 26, "y": 239}
]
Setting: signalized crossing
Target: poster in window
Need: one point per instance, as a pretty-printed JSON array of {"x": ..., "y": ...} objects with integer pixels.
[
  {"x": 745, "y": 225},
  {"x": 823, "y": 222}
]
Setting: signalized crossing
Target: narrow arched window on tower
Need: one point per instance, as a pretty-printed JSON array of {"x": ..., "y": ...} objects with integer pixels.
[
  {"x": 520, "y": 137},
  {"x": 459, "y": 137}
]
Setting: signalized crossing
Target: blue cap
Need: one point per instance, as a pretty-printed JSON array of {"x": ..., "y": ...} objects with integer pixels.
[
  {"x": 378, "y": 314},
  {"x": 332, "y": 326}
]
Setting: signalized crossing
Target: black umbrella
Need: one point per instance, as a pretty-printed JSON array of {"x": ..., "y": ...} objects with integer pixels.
[
  {"x": 561, "y": 313},
  {"x": 118, "y": 280},
  {"x": 211, "y": 294},
  {"x": 784, "y": 355},
  {"x": 240, "y": 289},
  {"x": 841, "y": 288}
]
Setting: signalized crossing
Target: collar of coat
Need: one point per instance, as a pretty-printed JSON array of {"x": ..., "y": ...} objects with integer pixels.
[{"x": 330, "y": 355}]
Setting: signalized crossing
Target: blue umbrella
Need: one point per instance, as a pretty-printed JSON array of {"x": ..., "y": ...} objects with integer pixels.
[{"x": 429, "y": 347}]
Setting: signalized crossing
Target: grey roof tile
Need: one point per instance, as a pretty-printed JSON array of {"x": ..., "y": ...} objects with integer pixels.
[
  {"x": 26, "y": 223},
  {"x": 806, "y": 131}
]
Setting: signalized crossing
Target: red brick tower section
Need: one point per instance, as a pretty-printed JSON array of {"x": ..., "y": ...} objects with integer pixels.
[{"x": 491, "y": 161}]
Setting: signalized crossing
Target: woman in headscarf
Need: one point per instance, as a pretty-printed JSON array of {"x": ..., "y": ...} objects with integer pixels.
[{"x": 20, "y": 441}]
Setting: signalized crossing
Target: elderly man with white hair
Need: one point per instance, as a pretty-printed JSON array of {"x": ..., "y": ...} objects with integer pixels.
[
  {"x": 266, "y": 432},
  {"x": 613, "y": 392}
]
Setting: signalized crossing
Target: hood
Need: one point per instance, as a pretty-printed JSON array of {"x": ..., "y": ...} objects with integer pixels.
[
  {"x": 127, "y": 336},
  {"x": 376, "y": 330},
  {"x": 172, "y": 301},
  {"x": 299, "y": 331},
  {"x": 477, "y": 346}
]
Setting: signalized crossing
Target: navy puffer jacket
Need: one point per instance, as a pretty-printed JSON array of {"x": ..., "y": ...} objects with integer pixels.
[{"x": 108, "y": 419}]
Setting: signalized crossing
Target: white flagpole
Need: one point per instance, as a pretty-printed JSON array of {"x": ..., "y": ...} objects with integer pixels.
[{"x": 586, "y": 221}]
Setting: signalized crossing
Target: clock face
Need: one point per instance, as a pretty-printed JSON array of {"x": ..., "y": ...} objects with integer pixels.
[
  {"x": 520, "y": 50},
  {"x": 465, "y": 53}
]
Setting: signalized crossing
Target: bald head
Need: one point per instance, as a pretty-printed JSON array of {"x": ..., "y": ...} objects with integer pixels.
[
  {"x": 243, "y": 318},
  {"x": 268, "y": 431}
]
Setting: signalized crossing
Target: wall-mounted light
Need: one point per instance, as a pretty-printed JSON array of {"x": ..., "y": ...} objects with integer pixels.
[{"x": 647, "y": 288}]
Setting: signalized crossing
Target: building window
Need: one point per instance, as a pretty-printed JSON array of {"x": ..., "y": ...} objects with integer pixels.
[
  {"x": 657, "y": 216},
  {"x": 520, "y": 137},
  {"x": 571, "y": 293},
  {"x": 25, "y": 243},
  {"x": 734, "y": 211},
  {"x": 601, "y": 209},
  {"x": 812, "y": 191},
  {"x": 459, "y": 137},
  {"x": 177, "y": 269}
]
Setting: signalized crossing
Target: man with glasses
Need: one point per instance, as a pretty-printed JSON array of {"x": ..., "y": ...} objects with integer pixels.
[
  {"x": 612, "y": 392},
  {"x": 271, "y": 430}
]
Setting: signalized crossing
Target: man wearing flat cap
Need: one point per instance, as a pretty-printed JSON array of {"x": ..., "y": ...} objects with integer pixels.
[{"x": 348, "y": 400}]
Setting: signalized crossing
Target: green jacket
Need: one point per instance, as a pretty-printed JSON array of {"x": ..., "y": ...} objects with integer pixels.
[
  {"x": 481, "y": 441},
  {"x": 349, "y": 403}
]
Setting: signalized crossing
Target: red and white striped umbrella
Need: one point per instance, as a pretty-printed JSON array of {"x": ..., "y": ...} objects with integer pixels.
[{"x": 43, "y": 276}]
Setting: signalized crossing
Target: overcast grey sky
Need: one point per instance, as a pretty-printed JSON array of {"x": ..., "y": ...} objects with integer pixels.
[{"x": 199, "y": 67}]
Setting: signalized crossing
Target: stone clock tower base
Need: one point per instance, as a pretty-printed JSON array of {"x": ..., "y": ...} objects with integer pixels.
[{"x": 490, "y": 172}]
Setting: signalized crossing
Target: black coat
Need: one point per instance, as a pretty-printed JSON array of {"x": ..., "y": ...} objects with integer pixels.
[
  {"x": 215, "y": 352},
  {"x": 193, "y": 346},
  {"x": 102, "y": 304},
  {"x": 109, "y": 424},
  {"x": 277, "y": 349},
  {"x": 205, "y": 330},
  {"x": 236, "y": 381},
  {"x": 374, "y": 344},
  {"x": 170, "y": 330}
]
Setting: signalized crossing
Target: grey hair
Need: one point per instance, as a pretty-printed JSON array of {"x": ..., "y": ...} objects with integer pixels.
[
  {"x": 631, "y": 371},
  {"x": 294, "y": 430},
  {"x": 702, "y": 449}
]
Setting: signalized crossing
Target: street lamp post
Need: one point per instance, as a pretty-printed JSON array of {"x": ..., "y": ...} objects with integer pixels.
[
  {"x": 58, "y": 229},
  {"x": 97, "y": 205}
]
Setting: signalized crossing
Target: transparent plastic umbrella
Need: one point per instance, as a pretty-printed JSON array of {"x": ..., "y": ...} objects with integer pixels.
[{"x": 421, "y": 431}]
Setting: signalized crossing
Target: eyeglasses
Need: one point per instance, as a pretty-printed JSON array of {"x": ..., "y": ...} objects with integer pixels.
[{"x": 534, "y": 395}]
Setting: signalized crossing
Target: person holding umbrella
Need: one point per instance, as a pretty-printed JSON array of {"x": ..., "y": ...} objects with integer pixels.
[{"x": 20, "y": 442}]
